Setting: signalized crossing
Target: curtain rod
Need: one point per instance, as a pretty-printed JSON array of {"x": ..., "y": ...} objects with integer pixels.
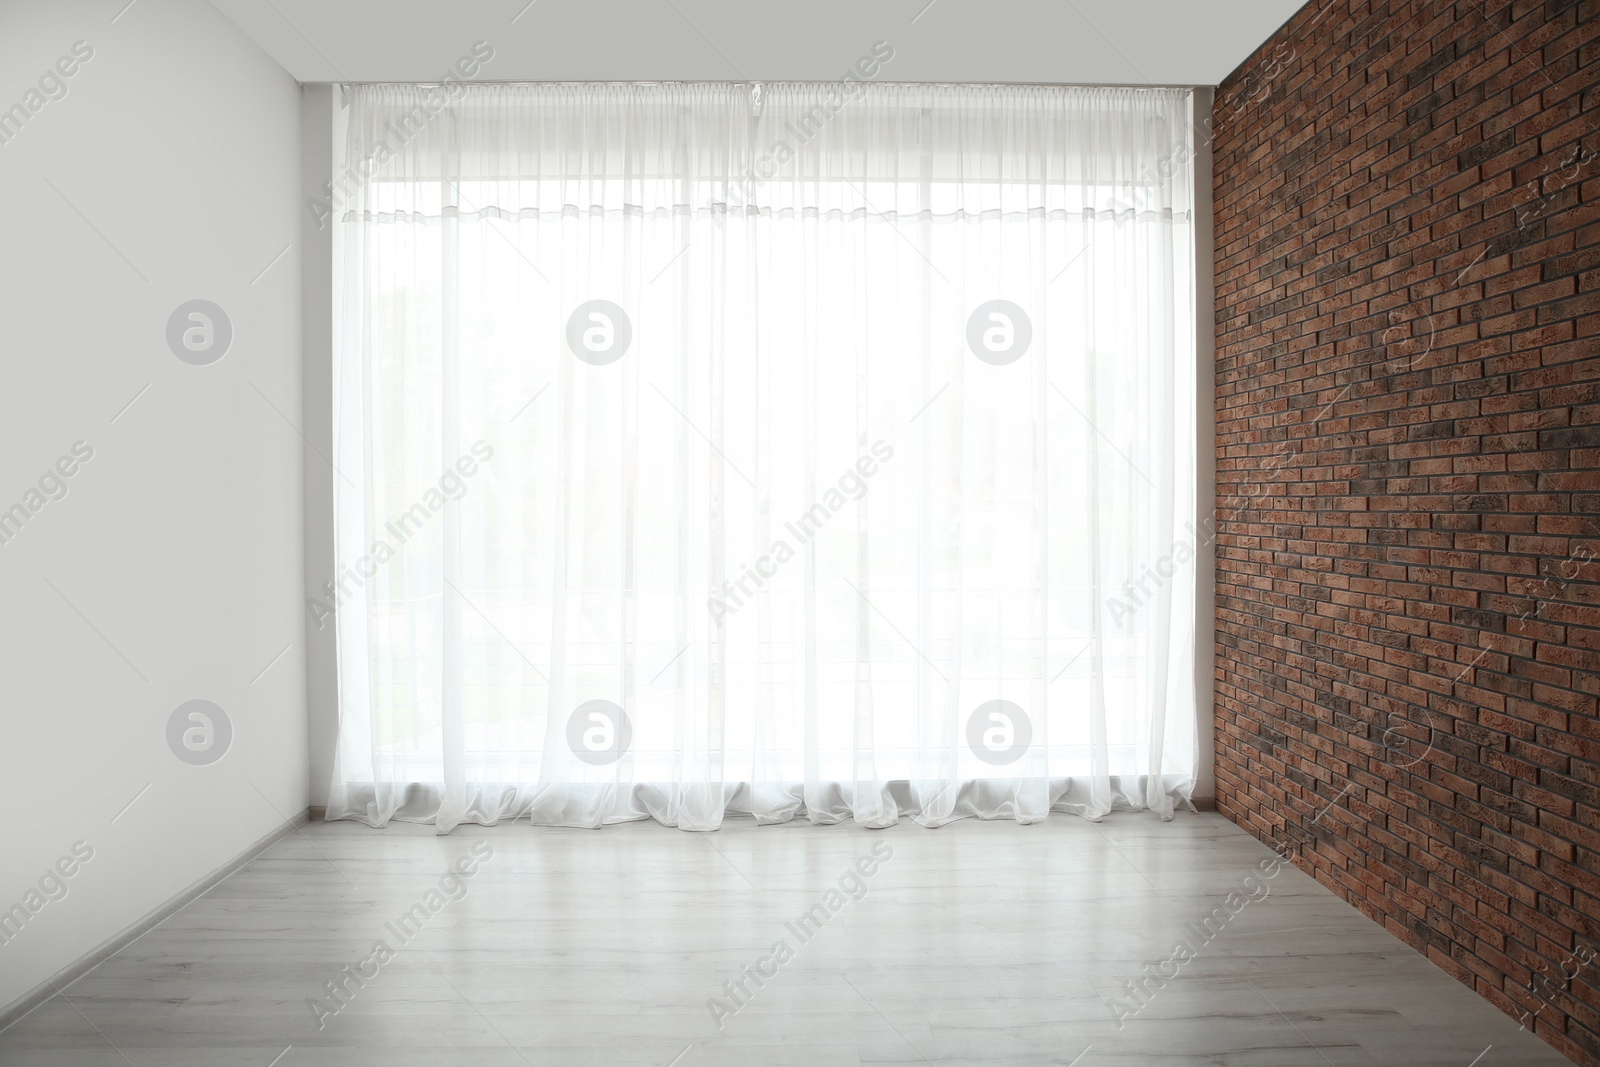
[{"x": 779, "y": 81}]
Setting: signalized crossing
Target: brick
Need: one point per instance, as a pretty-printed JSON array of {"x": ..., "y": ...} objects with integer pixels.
[{"x": 1407, "y": 266}]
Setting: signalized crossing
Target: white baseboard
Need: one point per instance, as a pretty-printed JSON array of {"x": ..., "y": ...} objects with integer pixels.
[{"x": 42, "y": 992}]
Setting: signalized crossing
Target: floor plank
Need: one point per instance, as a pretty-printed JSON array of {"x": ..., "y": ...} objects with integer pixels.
[{"x": 978, "y": 943}]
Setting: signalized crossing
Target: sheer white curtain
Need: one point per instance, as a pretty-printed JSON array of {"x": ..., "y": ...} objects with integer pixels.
[{"x": 791, "y": 450}]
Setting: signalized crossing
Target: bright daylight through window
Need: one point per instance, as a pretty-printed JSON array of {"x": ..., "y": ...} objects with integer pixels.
[{"x": 817, "y": 450}]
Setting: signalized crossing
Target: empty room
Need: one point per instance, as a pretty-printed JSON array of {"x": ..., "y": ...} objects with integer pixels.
[{"x": 683, "y": 533}]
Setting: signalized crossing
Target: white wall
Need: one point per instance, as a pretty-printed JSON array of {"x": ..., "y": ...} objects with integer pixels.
[
  {"x": 172, "y": 568},
  {"x": 1205, "y": 425},
  {"x": 1081, "y": 42},
  {"x": 317, "y": 107}
]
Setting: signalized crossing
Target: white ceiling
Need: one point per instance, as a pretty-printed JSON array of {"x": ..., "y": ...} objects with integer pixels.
[{"x": 1084, "y": 42}]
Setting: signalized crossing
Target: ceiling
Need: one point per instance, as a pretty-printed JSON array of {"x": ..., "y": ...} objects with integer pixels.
[{"x": 1083, "y": 42}]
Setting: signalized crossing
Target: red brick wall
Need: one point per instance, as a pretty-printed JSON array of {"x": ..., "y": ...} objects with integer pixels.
[{"x": 1408, "y": 479}]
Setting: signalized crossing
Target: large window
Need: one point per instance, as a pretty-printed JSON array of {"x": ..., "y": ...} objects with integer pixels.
[{"x": 779, "y": 449}]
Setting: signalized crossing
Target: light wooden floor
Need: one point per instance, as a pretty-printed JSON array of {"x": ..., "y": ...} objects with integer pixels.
[{"x": 975, "y": 943}]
